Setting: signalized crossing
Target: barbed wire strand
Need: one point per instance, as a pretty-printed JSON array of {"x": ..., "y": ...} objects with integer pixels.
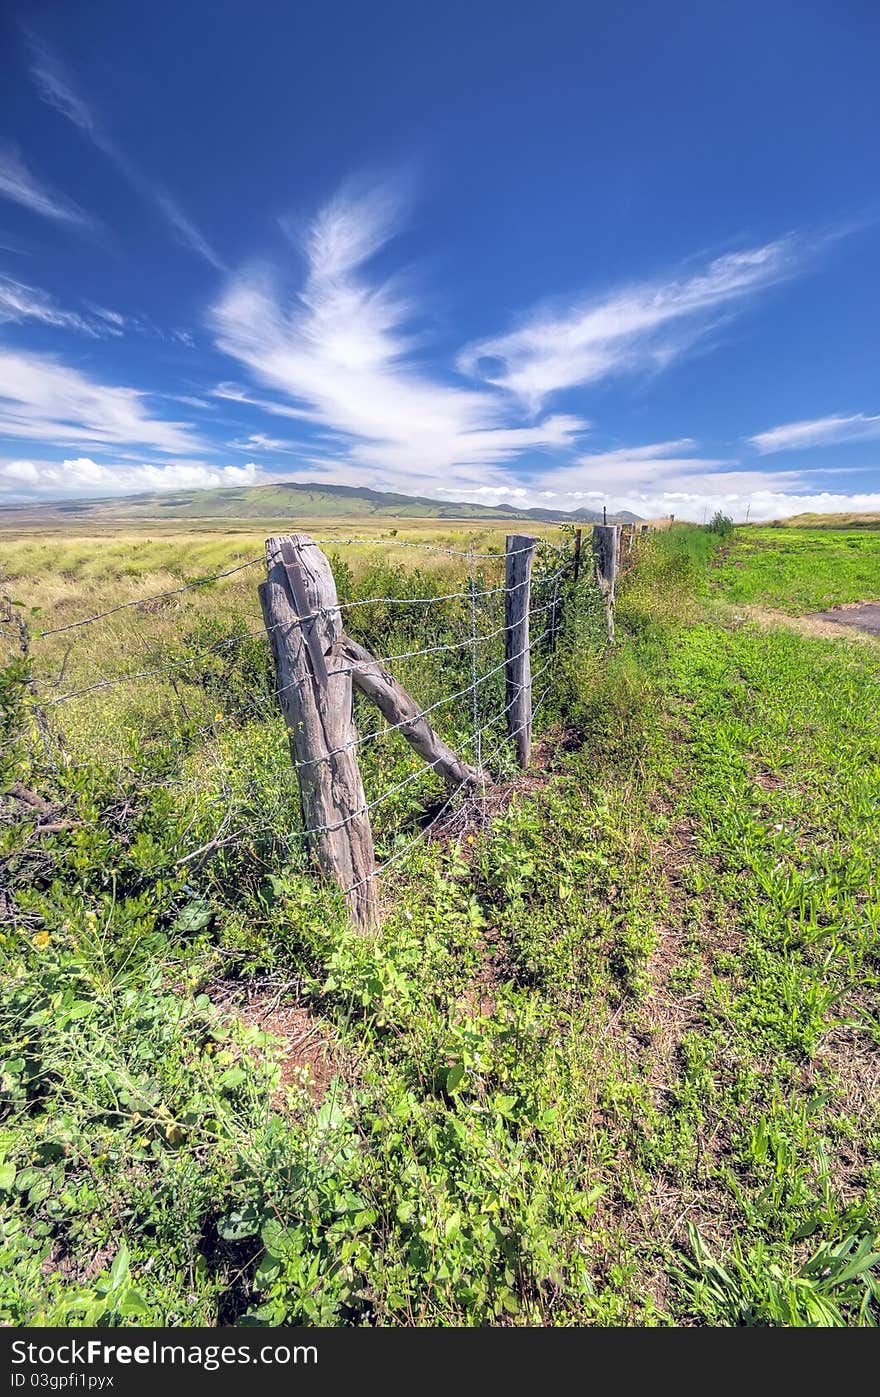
[
  {"x": 217, "y": 647},
  {"x": 416, "y": 717},
  {"x": 154, "y": 596},
  {"x": 399, "y": 853},
  {"x": 296, "y": 621},
  {"x": 430, "y": 547},
  {"x": 182, "y": 665},
  {"x": 422, "y": 770}
]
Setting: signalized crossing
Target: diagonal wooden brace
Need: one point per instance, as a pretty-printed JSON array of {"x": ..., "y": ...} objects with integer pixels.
[{"x": 401, "y": 709}]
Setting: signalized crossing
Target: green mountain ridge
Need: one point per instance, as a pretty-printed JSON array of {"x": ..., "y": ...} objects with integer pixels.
[{"x": 282, "y": 500}]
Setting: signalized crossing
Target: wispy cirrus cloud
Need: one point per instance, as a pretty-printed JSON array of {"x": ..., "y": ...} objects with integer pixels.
[
  {"x": 82, "y": 477},
  {"x": 20, "y": 302},
  {"x": 56, "y": 87},
  {"x": 232, "y": 393},
  {"x": 18, "y": 184},
  {"x": 341, "y": 348},
  {"x": 818, "y": 431},
  {"x": 259, "y": 441},
  {"x": 44, "y": 400},
  {"x": 628, "y": 466},
  {"x": 638, "y": 328}
]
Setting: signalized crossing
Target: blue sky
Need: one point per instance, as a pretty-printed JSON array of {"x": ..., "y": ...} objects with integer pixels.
[{"x": 550, "y": 253}]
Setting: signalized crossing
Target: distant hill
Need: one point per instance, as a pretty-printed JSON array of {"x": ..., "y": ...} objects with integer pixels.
[{"x": 288, "y": 500}]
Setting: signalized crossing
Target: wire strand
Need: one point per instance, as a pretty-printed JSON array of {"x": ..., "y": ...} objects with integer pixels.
[
  {"x": 155, "y": 596},
  {"x": 416, "y": 717},
  {"x": 297, "y": 620},
  {"x": 398, "y": 854},
  {"x": 434, "y": 547},
  {"x": 218, "y": 646}
]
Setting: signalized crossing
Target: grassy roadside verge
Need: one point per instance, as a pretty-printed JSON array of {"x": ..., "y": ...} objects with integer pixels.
[{"x": 613, "y": 1058}]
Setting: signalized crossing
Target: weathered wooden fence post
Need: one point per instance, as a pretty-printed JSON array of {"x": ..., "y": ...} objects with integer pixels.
[
  {"x": 578, "y": 535},
  {"x": 300, "y": 609},
  {"x": 606, "y": 552},
  {"x": 520, "y": 554}
]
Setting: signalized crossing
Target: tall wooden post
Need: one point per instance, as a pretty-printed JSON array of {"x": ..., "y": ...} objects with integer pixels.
[
  {"x": 578, "y": 535},
  {"x": 520, "y": 554},
  {"x": 300, "y": 608},
  {"x": 606, "y": 552}
]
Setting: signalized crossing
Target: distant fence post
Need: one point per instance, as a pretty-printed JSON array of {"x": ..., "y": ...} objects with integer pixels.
[
  {"x": 300, "y": 609},
  {"x": 606, "y": 551},
  {"x": 578, "y": 535},
  {"x": 520, "y": 554}
]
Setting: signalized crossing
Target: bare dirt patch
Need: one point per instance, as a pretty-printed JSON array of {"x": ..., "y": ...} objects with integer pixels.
[
  {"x": 853, "y": 1061},
  {"x": 307, "y": 1054},
  {"x": 768, "y": 780},
  {"x": 865, "y": 615},
  {"x": 668, "y": 1014},
  {"x": 816, "y": 625}
]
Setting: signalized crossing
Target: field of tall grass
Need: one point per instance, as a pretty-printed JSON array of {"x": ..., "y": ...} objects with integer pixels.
[{"x": 612, "y": 1057}]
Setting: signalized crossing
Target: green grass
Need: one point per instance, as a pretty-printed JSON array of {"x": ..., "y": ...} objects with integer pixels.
[
  {"x": 610, "y": 1060},
  {"x": 800, "y": 570}
]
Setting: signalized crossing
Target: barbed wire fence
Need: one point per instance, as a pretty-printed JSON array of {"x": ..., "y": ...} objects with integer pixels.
[{"x": 326, "y": 682}]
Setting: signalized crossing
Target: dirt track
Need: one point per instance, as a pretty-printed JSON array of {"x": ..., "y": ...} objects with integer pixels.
[{"x": 865, "y": 615}]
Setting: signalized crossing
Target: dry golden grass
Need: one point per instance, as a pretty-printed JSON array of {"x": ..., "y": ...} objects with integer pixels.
[
  {"x": 58, "y": 575},
  {"x": 830, "y": 521}
]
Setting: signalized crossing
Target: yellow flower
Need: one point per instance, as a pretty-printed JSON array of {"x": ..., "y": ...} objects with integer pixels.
[
  {"x": 42, "y": 940},
  {"x": 218, "y": 717}
]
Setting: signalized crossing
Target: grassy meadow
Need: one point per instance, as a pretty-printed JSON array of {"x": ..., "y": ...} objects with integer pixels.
[
  {"x": 799, "y": 570},
  {"x": 613, "y": 1056}
]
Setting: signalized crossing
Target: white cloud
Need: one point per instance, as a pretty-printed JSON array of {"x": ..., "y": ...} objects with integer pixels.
[
  {"x": 341, "y": 348},
  {"x": 43, "y": 400},
  {"x": 757, "y": 495},
  {"x": 489, "y": 491},
  {"x": 186, "y": 231},
  {"x": 112, "y": 317},
  {"x": 83, "y": 477},
  {"x": 632, "y": 466},
  {"x": 761, "y": 503},
  {"x": 18, "y": 184},
  {"x": 258, "y": 441},
  {"x": 820, "y": 431},
  {"x": 641, "y": 327},
  {"x": 19, "y": 302},
  {"x": 57, "y": 89},
  {"x": 230, "y": 392}
]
